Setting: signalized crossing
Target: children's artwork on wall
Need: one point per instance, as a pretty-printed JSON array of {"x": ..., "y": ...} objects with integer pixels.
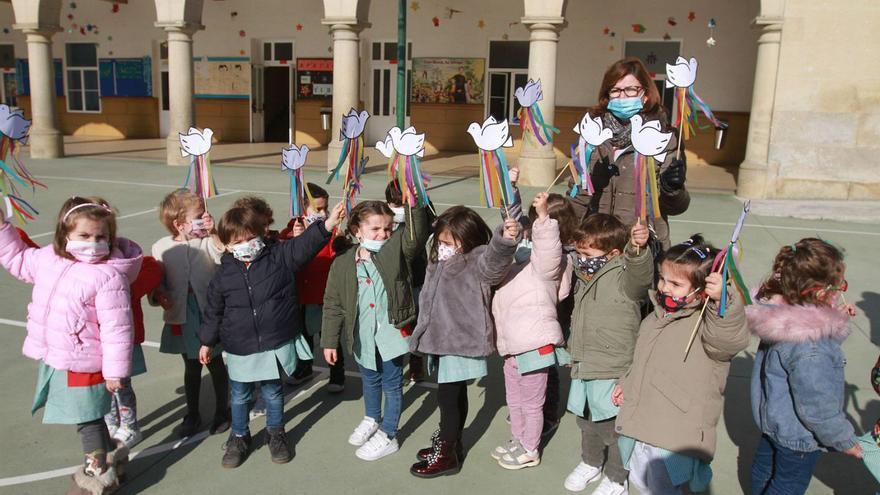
[
  {"x": 448, "y": 80},
  {"x": 223, "y": 77},
  {"x": 126, "y": 76},
  {"x": 199, "y": 178},
  {"x": 314, "y": 78},
  {"x": 13, "y": 174},
  {"x": 22, "y": 76},
  {"x": 711, "y": 41},
  {"x": 491, "y": 137},
  {"x": 292, "y": 160}
]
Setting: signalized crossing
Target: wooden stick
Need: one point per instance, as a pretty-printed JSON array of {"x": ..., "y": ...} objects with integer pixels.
[
  {"x": 700, "y": 318},
  {"x": 638, "y": 248},
  {"x": 678, "y": 148},
  {"x": 558, "y": 176}
]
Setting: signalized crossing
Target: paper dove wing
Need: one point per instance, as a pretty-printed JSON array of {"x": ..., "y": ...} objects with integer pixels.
[
  {"x": 196, "y": 142},
  {"x": 293, "y": 158},
  {"x": 529, "y": 94},
  {"x": 647, "y": 139},
  {"x": 742, "y": 220},
  {"x": 592, "y": 131},
  {"x": 491, "y": 134},
  {"x": 682, "y": 74},
  {"x": 353, "y": 124},
  {"x": 13, "y": 124},
  {"x": 385, "y": 147},
  {"x": 407, "y": 142}
]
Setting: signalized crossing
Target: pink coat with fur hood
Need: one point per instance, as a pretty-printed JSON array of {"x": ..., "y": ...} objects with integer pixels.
[
  {"x": 79, "y": 318},
  {"x": 524, "y": 306}
]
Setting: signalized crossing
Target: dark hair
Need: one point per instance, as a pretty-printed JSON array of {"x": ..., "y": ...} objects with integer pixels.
[
  {"x": 622, "y": 68},
  {"x": 560, "y": 208},
  {"x": 98, "y": 210},
  {"x": 258, "y": 205},
  {"x": 696, "y": 256},
  {"x": 365, "y": 209},
  {"x": 316, "y": 191},
  {"x": 801, "y": 270},
  {"x": 465, "y": 226},
  {"x": 175, "y": 205},
  {"x": 604, "y": 232},
  {"x": 393, "y": 194},
  {"x": 240, "y": 222}
]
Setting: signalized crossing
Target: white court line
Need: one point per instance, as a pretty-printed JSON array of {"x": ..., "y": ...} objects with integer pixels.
[{"x": 698, "y": 222}]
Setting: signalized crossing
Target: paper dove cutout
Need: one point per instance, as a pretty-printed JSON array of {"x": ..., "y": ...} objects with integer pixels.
[
  {"x": 13, "y": 124},
  {"x": 529, "y": 94},
  {"x": 647, "y": 139},
  {"x": 682, "y": 74},
  {"x": 196, "y": 142},
  {"x": 491, "y": 135},
  {"x": 407, "y": 142},
  {"x": 293, "y": 158},
  {"x": 592, "y": 131},
  {"x": 353, "y": 124},
  {"x": 385, "y": 147}
]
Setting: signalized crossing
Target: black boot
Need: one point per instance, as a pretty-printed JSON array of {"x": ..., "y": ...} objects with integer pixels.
[
  {"x": 441, "y": 461},
  {"x": 423, "y": 454},
  {"x": 190, "y": 425},
  {"x": 237, "y": 450},
  {"x": 278, "y": 446},
  {"x": 221, "y": 421}
]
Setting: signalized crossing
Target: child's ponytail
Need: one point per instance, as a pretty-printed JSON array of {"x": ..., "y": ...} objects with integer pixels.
[{"x": 696, "y": 255}]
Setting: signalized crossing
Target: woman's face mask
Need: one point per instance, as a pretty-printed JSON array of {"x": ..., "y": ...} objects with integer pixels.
[{"x": 625, "y": 108}]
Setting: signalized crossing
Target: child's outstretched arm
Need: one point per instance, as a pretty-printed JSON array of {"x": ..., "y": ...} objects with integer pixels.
[
  {"x": 639, "y": 273},
  {"x": 547, "y": 257},
  {"x": 113, "y": 308},
  {"x": 15, "y": 255},
  {"x": 723, "y": 337},
  {"x": 493, "y": 264},
  {"x": 415, "y": 234},
  {"x": 333, "y": 319},
  {"x": 302, "y": 249},
  {"x": 514, "y": 209}
]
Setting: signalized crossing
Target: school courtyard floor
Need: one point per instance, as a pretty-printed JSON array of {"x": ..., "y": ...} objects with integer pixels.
[{"x": 38, "y": 459}]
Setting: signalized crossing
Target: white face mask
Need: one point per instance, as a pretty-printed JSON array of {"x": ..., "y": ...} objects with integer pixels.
[
  {"x": 247, "y": 251},
  {"x": 445, "y": 251},
  {"x": 87, "y": 251},
  {"x": 399, "y": 216},
  {"x": 197, "y": 228},
  {"x": 373, "y": 245}
]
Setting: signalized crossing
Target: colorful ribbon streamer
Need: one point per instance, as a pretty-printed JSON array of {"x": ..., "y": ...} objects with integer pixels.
[
  {"x": 531, "y": 120},
  {"x": 687, "y": 114},
  {"x": 496, "y": 190},
  {"x": 15, "y": 205},
  {"x": 646, "y": 187},
  {"x": 298, "y": 193},
  {"x": 727, "y": 261},
  {"x": 352, "y": 154},
  {"x": 200, "y": 177},
  {"x": 407, "y": 171},
  {"x": 580, "y": 168}
]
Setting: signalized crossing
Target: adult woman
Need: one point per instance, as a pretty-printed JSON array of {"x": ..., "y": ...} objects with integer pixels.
[{"x": 627, "y": 90}]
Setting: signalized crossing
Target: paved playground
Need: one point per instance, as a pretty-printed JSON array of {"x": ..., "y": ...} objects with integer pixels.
[{"x": 39, "y": 459}]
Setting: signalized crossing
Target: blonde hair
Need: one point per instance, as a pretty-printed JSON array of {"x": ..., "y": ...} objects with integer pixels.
[
  {"x": 91, "y": 207},
  {"x": 175, "y": 206}
]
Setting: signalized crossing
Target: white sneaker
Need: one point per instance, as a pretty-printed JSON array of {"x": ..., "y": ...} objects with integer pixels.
[
  {"x": 377, "y": 447},
  {"x": 582, "y": 475},
  {"x": 500, "y": 450},
  {"x": 363, "y": 432},
  {"x": 128, "y": 436},
  {"x": 608, "y": 487}
]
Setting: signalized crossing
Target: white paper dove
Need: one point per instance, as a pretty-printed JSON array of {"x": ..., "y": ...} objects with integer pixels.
[
  {"x": 529, "y": 94},
  {"x": 682, "y": 74},
  {"x": 13, "y": 124},
  {"x": 647, "y": 139},
  {"x": 196, "y": 142},
  {"x": 293, "y": 158},
  {"x": 592, "y": 131},
  {"x": 353, "y": 124},
  {"x": 491, "y": 134},
  {"x": 385, "y": 147},
  {"x": 407, "y": 142}
]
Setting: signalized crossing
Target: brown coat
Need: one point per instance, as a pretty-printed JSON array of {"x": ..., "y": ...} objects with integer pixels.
[
  {"x": 618, "y": 197},
  {"x": 675, "y": 404}
]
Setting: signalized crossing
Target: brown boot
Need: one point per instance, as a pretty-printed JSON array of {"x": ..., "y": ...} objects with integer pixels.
[
  {"x": 441, "y": 461},
  {"x": 87, "y": 483},
  {"x": 119, "y": 460},
  {"x": 423, "y": 454}
]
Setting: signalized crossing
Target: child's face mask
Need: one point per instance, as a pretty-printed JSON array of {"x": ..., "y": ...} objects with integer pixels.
[
  {"x": 247, "y": 251},
  {"x": 445, "y": 251},
  {"x": 590, "y": 265},
  {"x": 399, "y": 216},
  {"x": 671, "y": 304},
  {"x": 197, "y": 228},
  {"x": 88, "y": 251}
]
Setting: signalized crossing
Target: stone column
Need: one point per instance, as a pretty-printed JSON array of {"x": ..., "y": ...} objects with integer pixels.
[
  {"x": 754, "y": 172},
  {"x": 537, "y": 164},
  {"x": 46, "y": 141},
  {"x": 181, "y": 86},
  {"x": 346, "y": 80}
]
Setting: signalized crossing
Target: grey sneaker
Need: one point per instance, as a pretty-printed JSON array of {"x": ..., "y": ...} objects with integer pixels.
[
  {"x": 499, "y": 451},
  {"x": 518, "y": 458}
]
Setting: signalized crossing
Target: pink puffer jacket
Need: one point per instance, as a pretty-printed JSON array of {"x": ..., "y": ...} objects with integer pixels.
[
  {"x": 79, "y": 318},
  {"x": 524, "y": 306}
]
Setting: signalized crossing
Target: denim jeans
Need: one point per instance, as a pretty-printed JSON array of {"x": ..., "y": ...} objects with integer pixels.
[
  {"x": 777, "y": 470},
  {"x": 387, "y": 379},
  {"x": 242, "y": 396}
]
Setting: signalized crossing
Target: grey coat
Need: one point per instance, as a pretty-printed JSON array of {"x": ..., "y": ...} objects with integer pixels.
[{"x": 455, "y": 305}]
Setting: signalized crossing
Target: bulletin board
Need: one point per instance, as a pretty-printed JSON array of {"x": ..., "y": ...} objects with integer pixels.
[
  {"x": 223, "y": 77},
  {"x": 314, "y": 78},
  {"x": 23, "y": 80},
  {"x": 126, "y": 77}
]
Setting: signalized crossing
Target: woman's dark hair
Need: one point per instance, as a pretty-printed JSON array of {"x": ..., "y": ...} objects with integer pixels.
[
  {"x": 393, "y": 194},
  {"x": 465, "y": 226},
  {"x": 802, "y": 270},
  {"x": 696, "y": 256},
  {"x": 622, "y": 68},
  {"x": 97, "y": 209},
  {"x": 604, "y": 232},
  {"x": 363, "y": 210},
  {"x": 560, "y": 209}
]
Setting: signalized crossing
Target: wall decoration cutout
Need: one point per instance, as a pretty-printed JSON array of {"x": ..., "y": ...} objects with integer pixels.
[{"x": 448, "y": 80}]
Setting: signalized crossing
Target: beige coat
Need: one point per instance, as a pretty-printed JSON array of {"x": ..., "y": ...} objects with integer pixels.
[
  {"x": 185, "y": 264},
  {"x": 675, "y": 404}
]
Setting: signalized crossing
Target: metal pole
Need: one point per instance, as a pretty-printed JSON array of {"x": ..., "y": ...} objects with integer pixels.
[{"x": 401, "y": 63}]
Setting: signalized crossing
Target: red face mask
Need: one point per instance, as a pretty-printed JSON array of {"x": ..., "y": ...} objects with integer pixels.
[{"x": 670, "y": 303}]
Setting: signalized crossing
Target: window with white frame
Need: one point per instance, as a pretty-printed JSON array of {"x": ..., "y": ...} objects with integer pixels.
[{"x": 83, "y": 93}]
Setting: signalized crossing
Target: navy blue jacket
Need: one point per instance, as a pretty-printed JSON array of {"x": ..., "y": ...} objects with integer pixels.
[{"x": 254, "y": 308}]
